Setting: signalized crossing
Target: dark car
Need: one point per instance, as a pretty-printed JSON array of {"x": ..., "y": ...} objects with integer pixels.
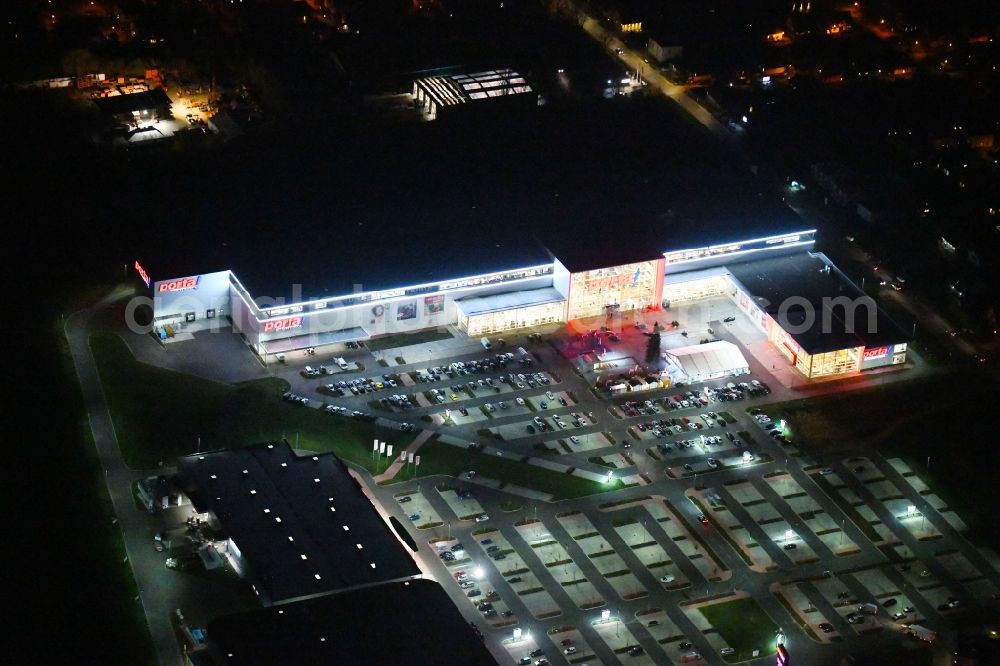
[
  {"x": 730, "y": 318},
  {"x": 684, "y": 645},
  {"x": 889, "y": 603},
  {"x": 790, "y": 546},
  {"x": 635, "y": 650},
  {"x": 537, "y": 652}
]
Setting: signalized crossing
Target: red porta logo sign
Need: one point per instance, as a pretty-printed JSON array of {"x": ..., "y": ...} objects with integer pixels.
[
  {"x": 876, "y": 352},
  {"x": 282, "y": 324},
  {"x": 178, "y": 285},
  {"x": 142, "y": 272}
]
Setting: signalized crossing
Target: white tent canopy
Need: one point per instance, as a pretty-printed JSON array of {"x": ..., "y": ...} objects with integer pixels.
[{"x": 699, "y": 363}]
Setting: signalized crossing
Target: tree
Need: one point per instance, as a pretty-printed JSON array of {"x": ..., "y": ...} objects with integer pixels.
[{"x": 653, "y": 348}]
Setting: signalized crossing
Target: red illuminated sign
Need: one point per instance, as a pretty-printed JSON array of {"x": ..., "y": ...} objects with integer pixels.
[
  {"x": 611, "y": 282},
  {"x": 179, "y": 285},
  {"x": 142, "y": 272},
  {"x": 282, "y": 324},
  {"x": 876, "y": 352}
]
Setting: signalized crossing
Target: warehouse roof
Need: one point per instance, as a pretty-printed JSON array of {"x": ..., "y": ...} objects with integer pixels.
[
  {"x": 454, "y": 89},
  {"x": 404, "y": 624},
  {"x": 142, "y": 101},
  {"x": 711, "y": 358},
  {"x": 806, "y": 283},
  {"x": 509, "y": 301},
  {"x": 303, "y": 524}
]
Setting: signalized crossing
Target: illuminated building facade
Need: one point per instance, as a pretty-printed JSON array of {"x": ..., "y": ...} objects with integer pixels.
[{"x": 759, "y": 275}]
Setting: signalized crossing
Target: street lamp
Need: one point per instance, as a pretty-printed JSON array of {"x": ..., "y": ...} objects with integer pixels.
[{"x": 478, "y": 573}]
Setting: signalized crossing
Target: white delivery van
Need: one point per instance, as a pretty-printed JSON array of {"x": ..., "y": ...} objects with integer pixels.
[{"x": 486, "y": 343}]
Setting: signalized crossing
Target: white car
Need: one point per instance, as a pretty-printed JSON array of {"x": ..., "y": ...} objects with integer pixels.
[
  {"x": 550, "y": 395},
  {"x": 574, "y": 439},
  {"x": 482, "y": 518},
  {"x": 570, "y": 650},
  {"x": 667, "y": 578},
  {"x": 520, "y": 401}
]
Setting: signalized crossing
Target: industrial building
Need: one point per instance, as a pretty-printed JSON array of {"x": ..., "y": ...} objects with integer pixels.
[
  {"x": 446, "y": 93},
  {"x": 294, "y": 527},
  {"x": 808, "y": 309}
]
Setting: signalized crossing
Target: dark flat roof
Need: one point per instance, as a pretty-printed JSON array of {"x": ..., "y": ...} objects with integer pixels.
[
  {"x": 150, "y": 99},
  {"x": 721, "y": 218},
  {"x": 804, "y": 276},
  {"x": 307, "y": 266},
  {"x": 402, "y": 624},
  {"x": 411, "y": 204},
  {"x": 312, "y": 514}
]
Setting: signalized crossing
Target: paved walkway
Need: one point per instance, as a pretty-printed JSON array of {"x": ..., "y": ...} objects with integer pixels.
[
  {"x": 398, "y": 464},
  {"x": 155, "y": 596}
]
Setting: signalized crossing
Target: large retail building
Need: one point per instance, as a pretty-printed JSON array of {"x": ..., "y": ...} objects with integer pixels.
[{"x": 811, "y": 313}]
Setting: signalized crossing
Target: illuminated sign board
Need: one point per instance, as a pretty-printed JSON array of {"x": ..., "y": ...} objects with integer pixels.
[
  {"x": 181, "y": 284},
  {"x": 786, "y": 239},
  {"x": 142, "y": 272},
  {"x": 609, "y": 282},
  {"x": 282, "y": 324},
  {"x": 417, "y": 290},
  {"x": 782, "y": 655},
  {"x": 740, "y": 247},
  {"x": 876, "y": 352}
]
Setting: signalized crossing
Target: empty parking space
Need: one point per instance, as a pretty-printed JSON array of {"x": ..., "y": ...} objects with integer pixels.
[
  {"x": 617, "y": 635},
  {"x": 461, "y": 502},
  {"x": 419, "y": 510},
  {"x": 659, "y": 625},
  {"x": 572, "y": 645},
  {"x": 560, "y": 565}
]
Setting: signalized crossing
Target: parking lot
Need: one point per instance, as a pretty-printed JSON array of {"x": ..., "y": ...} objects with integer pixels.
[{"x": 706, "y": 497}]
